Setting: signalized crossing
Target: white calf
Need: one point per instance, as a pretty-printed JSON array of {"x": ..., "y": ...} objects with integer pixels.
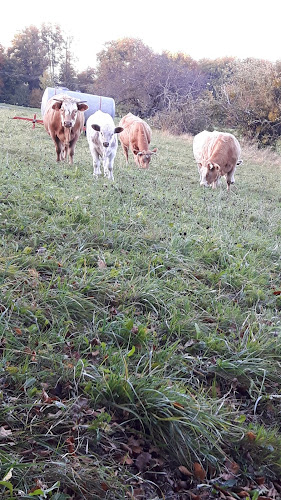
[{"x": 103, "y": 143}]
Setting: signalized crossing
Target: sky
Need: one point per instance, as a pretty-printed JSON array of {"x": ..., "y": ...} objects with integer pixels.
[{"x": 200, "y": 28}]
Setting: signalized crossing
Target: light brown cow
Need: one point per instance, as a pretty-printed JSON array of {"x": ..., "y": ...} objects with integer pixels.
[
  {"x": 64, "y": 121},
  {"x": 136, "y": 136},
  {"x": 216, "y": 154}
]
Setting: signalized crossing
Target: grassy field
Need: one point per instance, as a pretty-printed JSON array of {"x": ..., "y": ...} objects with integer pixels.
[{"x": 140, "y": 328}]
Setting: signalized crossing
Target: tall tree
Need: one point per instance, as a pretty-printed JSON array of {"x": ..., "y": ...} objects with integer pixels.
[
  {"x": 123, "y": 73},
  {"x": 54, "y": 42},
  {"x": 252, "y": 98},
  {"x": 2, "y": 68},
  {"x": 67, "y": 74},
  {"x": 86, "y": 80},
  {"x": 28, "y": 56}
]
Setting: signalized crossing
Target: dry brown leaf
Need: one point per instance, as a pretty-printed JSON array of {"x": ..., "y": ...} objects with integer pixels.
[
  {"x": 126, "y": 460},
  {"x": 143, "y": 460},
  {"x": 199, "y": 472},
  {"x": 101, "y": 264},
  {"x": 33, "y": 273},
  {"x": 193, "y": 496},
  {"x": 233, "y": 467},
  {"x": 178, "y": 405},
  {"x": 46, "y": 398},
  {"x": 104, "y": 486},
  {"x": 185, "y": 471},
  {"x": 70, "y": 445},
  {"x": 251, "y": 436}
]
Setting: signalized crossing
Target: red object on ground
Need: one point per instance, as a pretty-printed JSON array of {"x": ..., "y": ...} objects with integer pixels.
[{"x": 33, "y": 120}]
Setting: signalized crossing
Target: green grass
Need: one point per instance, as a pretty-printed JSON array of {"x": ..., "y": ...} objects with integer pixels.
[{"x": 141, "y": 311}]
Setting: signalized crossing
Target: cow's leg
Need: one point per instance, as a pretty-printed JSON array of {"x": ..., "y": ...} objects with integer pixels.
[
  {"x": 125, "y": 151},
  {"x": 199, "y": 171},
  {"x": 108, "y": 167},
  {"x": 230, "y": 178},
  {"x": 96, "y": 162},
  {"x": 70, "y": 150},
  {"x": 63, "y": 151},
  {"x": 58, "y": 147}
]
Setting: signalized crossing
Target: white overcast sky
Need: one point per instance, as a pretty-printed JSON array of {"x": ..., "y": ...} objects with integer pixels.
[{"x": 201, "y": 28}]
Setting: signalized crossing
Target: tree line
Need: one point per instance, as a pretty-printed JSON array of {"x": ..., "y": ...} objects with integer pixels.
[{"x": 173, "y": 91}]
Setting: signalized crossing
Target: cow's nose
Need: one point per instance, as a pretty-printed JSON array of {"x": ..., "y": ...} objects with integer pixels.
[
  {"x": 106, "y": 144},
  {"x": 67, "y": 124}
]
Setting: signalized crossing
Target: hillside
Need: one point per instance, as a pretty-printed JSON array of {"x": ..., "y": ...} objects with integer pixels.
[{"x": 140, "y": 324}]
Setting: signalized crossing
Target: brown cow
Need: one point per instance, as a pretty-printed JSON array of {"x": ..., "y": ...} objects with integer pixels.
[
  {"x": 136, "y": 136},
  {"x": 216, "y": 154},
  {"x": 64, "y": 121}
]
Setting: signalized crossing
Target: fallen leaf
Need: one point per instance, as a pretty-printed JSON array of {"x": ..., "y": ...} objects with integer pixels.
[
  {"x": 260, "y": 480},
  {"x": 104, "y": 486},
  {"x": 8, "y": 475},
  {"x": 46, "y": 398},
  {"x": 177, "y": 405},
  {"x": 251, "y": 436},
  {"x": 70, "y": 445},
  {"x": 5, "y": 432},
  {"x": 143, "y": 460},
  {"x": 101, "y": 264},
  {"x": 233, "y": 467},
  {"x": 185, "y": 471},
  {"x": 33, "y": 273},
  {"x": 126, "y": 460},
  {"x": 193, "y": 496},
  {"x": 199, "y": 471}
]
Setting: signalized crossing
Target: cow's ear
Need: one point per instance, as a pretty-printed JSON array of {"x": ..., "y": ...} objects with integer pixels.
[
  {"x": 96, "y": 127},
  {"x": 140, "y": 153},
  {"x": 154, "y": 150},
  {"x": 118, "y": 130},
  {"x": 82, "y": 107},
  {"x": 136, "y": 151},
  {"x": 57, "y": 105}
]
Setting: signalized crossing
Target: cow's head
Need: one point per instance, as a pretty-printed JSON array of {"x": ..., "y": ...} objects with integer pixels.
[
  {"x": 143, "y": 157},
  {"x": 68, "y": 110},
  {"x": 106, "y": 133},
  {"x": 209, "y": 174}
]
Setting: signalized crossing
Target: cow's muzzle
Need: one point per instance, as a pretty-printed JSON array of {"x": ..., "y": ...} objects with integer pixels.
[
  {"x": 106, "y": 144},
  {"x": 67, "y": 124}
]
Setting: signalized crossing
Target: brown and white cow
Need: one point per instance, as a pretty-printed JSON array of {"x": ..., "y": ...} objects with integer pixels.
[
  {"x": 64, "y": 121},
  {"x": 136, "y": 136},
  {"x": 216, "y": 154}
]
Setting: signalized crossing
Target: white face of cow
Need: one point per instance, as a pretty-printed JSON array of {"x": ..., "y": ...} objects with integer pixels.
[
  {"x": 107, "y": 134},
  {"x": 68, "y": 111}
]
